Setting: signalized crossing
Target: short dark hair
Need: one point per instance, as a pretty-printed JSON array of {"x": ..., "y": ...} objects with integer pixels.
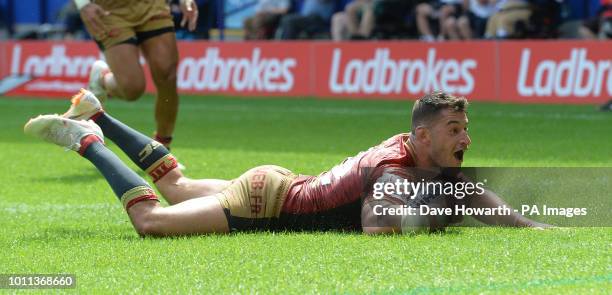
[{"x": 429, "y": 107}]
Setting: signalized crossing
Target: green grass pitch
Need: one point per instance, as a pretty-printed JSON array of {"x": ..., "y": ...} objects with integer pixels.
[{"x": 57, "y": 214}]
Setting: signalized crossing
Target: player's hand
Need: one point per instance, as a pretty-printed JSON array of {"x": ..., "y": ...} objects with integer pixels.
[
  {"x": 189, "y": 9},
  {"x": 92, "y": 15}
]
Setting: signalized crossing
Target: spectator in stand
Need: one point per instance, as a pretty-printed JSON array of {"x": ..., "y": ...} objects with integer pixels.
[
  {"x": 263, "y": 24},
  {"x": 4, "y": 25},
  {"x": 313, "y": 18},
  {"x": 473, "y": 22},
  {"x": 436, "y": 16},
  {"x": 599, "y": 27},
  {"x": 394, "y": 19},
  {"x": 502, "y": 24},
  {"x": 355, "y": 22}
]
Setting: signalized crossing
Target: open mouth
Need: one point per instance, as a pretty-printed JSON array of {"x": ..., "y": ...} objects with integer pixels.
[{"x": 459, "y": 155}]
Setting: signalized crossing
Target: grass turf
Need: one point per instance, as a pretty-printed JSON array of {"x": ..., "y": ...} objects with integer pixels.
[{"x": 57, "y": 214}]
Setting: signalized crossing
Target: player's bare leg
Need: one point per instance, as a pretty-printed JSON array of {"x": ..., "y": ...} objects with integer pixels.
[
  {"x": 176, "y": 188},
  {"x": 162, "y": 57},
  {"x": 148, "y": 154},
  {"x": 126, "y": 78},
  {"x": 196, "y": 216}
]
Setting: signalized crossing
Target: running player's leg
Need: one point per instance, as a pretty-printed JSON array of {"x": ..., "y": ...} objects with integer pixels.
[
  {"x": 155, "y": 37},
  {"x": 162, "y": 57},
  {"x": 126, "y": 78},
  {"x": 196, "y": 216},
  {"x": 121, "y": 75},
  {"x": 145, "y": 152}
]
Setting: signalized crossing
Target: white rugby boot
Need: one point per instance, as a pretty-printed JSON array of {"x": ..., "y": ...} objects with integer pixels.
[
  {"x": 98, "y": 70},
  {"x": 83, "y": 106},
  {"x": 62, "y": 131}
]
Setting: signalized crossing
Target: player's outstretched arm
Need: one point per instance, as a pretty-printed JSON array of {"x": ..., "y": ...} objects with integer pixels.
[
  {"x": 372, "y": 222},
  {"x": 490, "y": 200}
]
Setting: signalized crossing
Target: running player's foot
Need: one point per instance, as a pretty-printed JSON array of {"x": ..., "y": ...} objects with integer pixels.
[
  {"x": 62, "y": 131},
  {"x": 98, "y": 70},
  {"x": 84, "y": 106}
]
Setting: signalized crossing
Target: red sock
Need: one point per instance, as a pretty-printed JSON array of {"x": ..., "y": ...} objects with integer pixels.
[
  {"x": 165, "y": 140},
  {"x": 86, "y": 141},
  {"x": 96, "y": 116}
]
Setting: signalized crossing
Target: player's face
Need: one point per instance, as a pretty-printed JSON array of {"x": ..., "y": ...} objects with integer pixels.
[{"x": 449, "y": 139}]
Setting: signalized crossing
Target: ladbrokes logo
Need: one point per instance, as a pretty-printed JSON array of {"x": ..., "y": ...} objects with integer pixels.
[
  {"x": 214, "y": 73},
  {"x": 578, "y": 75},
  {"x": 384, "y": 75},
  {"x": 55, "y": 64}
]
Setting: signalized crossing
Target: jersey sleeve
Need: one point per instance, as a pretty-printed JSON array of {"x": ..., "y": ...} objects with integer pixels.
[
  {"x": 377, "y": 200},
  {"x": 379, "y": 187}
]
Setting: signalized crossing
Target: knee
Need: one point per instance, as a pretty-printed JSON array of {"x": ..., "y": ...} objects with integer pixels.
[
  {"x": 165, "y": 73},
  {"x": 463, "y": 22},
  {"x": 133, "y": 90},
  {"x": 423, "y": 9},
  {"x": 146, "y": 226},
  {"x": 144, "y": 229},
  {"x": 450, "y": 23}
]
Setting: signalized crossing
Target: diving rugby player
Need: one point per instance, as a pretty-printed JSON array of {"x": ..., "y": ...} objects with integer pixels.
[{"x": 271, "y": 197}]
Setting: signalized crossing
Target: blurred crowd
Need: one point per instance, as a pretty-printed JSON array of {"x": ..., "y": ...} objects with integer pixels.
[
  {"x": 67, "y": 23},
  {"x": 427, "y": 20}
]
